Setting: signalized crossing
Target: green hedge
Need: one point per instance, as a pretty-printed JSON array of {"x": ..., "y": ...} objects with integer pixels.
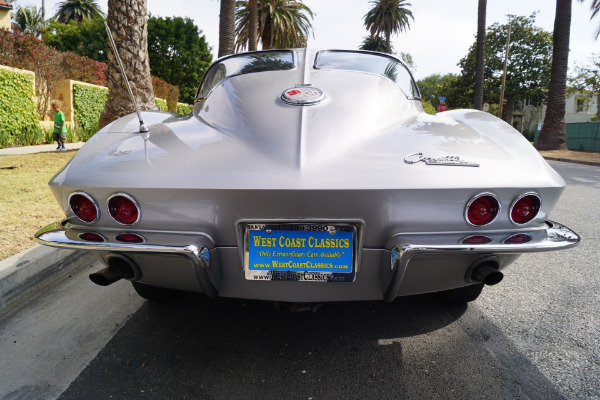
[
  {"x": 161, "y": 104},
  {"x": 88, "y": 103},
  {"x": 184, "y": 109},
  {"x": 19, "y": 117}
]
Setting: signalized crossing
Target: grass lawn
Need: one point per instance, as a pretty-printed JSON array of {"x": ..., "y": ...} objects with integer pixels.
[{"x": 26, "y": 203}]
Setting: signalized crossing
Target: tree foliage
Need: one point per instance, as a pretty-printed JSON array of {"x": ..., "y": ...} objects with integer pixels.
[
  {"x": 179, "y": 53},
  {"x": 387, "y": 17},
  {"x": 586, "y": 80},
  {"x": 86, "y": 38},
  {"x": 281, "y": 24},
  {"x": 29, "y": 19},
  {"x": 528, "y": 72},
  {"x": 374, "y": 43},
  {"x": 78, "y": 10},
  {"x": 435, "y": 85}
]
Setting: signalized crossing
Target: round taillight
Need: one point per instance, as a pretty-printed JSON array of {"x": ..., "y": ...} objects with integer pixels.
[
  {"x": 129, "y": 238},
  {"x": 525, "y": 208},
  {"x": 84, "y": 207},
  {"x": 91, "y": 237},
  {"x": 482, "y": 209},
  {"x": 123, "y": 209}
]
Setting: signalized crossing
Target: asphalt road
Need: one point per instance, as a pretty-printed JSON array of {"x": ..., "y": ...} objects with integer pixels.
[{"x": 534, "y": 336}]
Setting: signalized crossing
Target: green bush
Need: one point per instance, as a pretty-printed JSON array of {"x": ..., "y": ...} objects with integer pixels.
[
  {"x": 161, "y": 104},
  {"x": 19, "y": 117},
  {"x": 184, "y": 109},
  {"x": 88, "y": 103}
]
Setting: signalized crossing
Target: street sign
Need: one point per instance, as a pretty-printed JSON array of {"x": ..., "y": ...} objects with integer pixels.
[{"x": 442, "y": 107}]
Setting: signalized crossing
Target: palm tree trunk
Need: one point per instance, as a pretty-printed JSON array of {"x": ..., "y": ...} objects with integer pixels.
[
  {"x": 388, "y": 45},
  {"x": 252, "y": 25},
  {"x": 480, "y": 57},
  {"x": 227, "y": 28},
  {"x": 553, "y": 134},
  {"x": 128, "y": 23},
  {"x": 267, "y": 34}
]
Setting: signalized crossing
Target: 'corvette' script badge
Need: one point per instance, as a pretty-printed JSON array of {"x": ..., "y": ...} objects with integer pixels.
[
  {"x": 447, "y": 160},
  {"x": 303, "y": 95}
]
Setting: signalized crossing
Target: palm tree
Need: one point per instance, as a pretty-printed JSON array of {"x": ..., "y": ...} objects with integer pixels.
[
  {"x": 387, "y": 17},
  {"x": 252, "y": 25},
  {"x": 281, "y": 24},
  {"x": 30, "y": 20},
  {"x": 595, "y": 8},
  {"x": 78, "y": 10},
  {"x": 132, "y": 44},
  {"x": 480, "y": 55},
  {"x": 374, "y": 43},
  {"x": 553, "y": 134},
  {"x": 227, "y": 28}
]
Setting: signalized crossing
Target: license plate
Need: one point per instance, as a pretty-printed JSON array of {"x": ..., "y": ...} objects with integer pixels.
[{"x": 300, "y": 252}]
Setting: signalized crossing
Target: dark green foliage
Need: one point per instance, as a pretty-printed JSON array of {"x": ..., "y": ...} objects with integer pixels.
[
  {"x": 530, "y": 59},
  {"x": 78, "y": 10},
  {"x": 19, "y": 118},
  {"x": 88, "y": 103},
  {"x": 86, "y": 38},
  {"x": 436, "y": 85},
  {"x": 374, "y": 43},
  {"x": 178, "y": 52}
]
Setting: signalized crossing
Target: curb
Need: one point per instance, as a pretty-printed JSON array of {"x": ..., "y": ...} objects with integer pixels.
[
  {"x": 573, "y": 161},
  {"x": 26, "y": 275}
]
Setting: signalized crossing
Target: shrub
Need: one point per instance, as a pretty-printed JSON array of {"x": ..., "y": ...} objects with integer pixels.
[
  {"x": 183, "y": 108},
  {"x": 166, "y": 91},
  {"x": 161, "y": 104},
  {"x": 88, "y": 103},
  {"x": 26, "y": 52},
  {"x": 19, "y": 118}
]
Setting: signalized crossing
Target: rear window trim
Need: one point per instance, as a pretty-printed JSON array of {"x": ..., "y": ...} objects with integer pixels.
[
  {"x": 220, "y": 60},
  {"x": 372, "y": 53}
]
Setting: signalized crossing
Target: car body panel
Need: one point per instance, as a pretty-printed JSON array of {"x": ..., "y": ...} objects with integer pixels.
[{"x": 366, "y": 152}]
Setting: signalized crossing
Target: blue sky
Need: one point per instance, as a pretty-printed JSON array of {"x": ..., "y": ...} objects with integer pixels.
[{"x": 438, "y": 38}]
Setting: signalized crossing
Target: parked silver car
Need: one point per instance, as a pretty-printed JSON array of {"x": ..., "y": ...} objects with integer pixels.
[{"x": 308, "y": 176}]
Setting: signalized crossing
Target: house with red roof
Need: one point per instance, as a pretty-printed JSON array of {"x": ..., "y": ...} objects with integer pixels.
[{"x": 5, "y": 8}]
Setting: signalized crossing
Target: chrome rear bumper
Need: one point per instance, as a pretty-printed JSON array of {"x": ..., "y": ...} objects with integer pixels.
[{"x": 201, "y": 251}]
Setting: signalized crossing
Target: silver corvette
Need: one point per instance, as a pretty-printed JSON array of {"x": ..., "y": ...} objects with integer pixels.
[{"x": 308, "y": 176}]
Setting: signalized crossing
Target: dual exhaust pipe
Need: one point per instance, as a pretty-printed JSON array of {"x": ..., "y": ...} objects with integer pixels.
[
  {"x": 118, "y": 267},
  {"x": 486, "y": 270}
]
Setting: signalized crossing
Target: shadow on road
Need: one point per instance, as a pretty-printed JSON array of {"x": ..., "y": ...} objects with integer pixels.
[{"x": 239, "y": 349}]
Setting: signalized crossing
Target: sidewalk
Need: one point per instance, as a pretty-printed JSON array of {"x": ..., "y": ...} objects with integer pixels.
[
  {"x": 41, "y": 148},
  {"x": 578, "y": 157}
]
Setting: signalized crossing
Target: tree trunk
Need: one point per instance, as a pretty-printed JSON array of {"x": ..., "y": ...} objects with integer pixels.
[
  {"x": 252, "y": 25},
  {"x": 480, "y": 55},
  {"x": 128, "y": 24},
  {"x": 553, "y": 135},
  {"x": 510, "y": 110},
  {"x": 267, "y": 34},
  {"x": 388, "y": 45},
  {"x": 227, "y": 28}
]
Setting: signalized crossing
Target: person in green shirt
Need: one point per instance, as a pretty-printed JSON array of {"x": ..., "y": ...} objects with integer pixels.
[{"x": 60, "y": 130}]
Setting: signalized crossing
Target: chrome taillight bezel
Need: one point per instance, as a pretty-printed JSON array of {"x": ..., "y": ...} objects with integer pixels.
[
  {"x": 477, "y": 196},
  {"x": 91, "y": 199},
  {"x": 514, "y": 203},
  {"x": 130, "y": 198}
]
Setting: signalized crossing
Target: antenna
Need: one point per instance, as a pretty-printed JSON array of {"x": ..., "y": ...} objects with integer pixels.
[{"x": 143, "y": 127}]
